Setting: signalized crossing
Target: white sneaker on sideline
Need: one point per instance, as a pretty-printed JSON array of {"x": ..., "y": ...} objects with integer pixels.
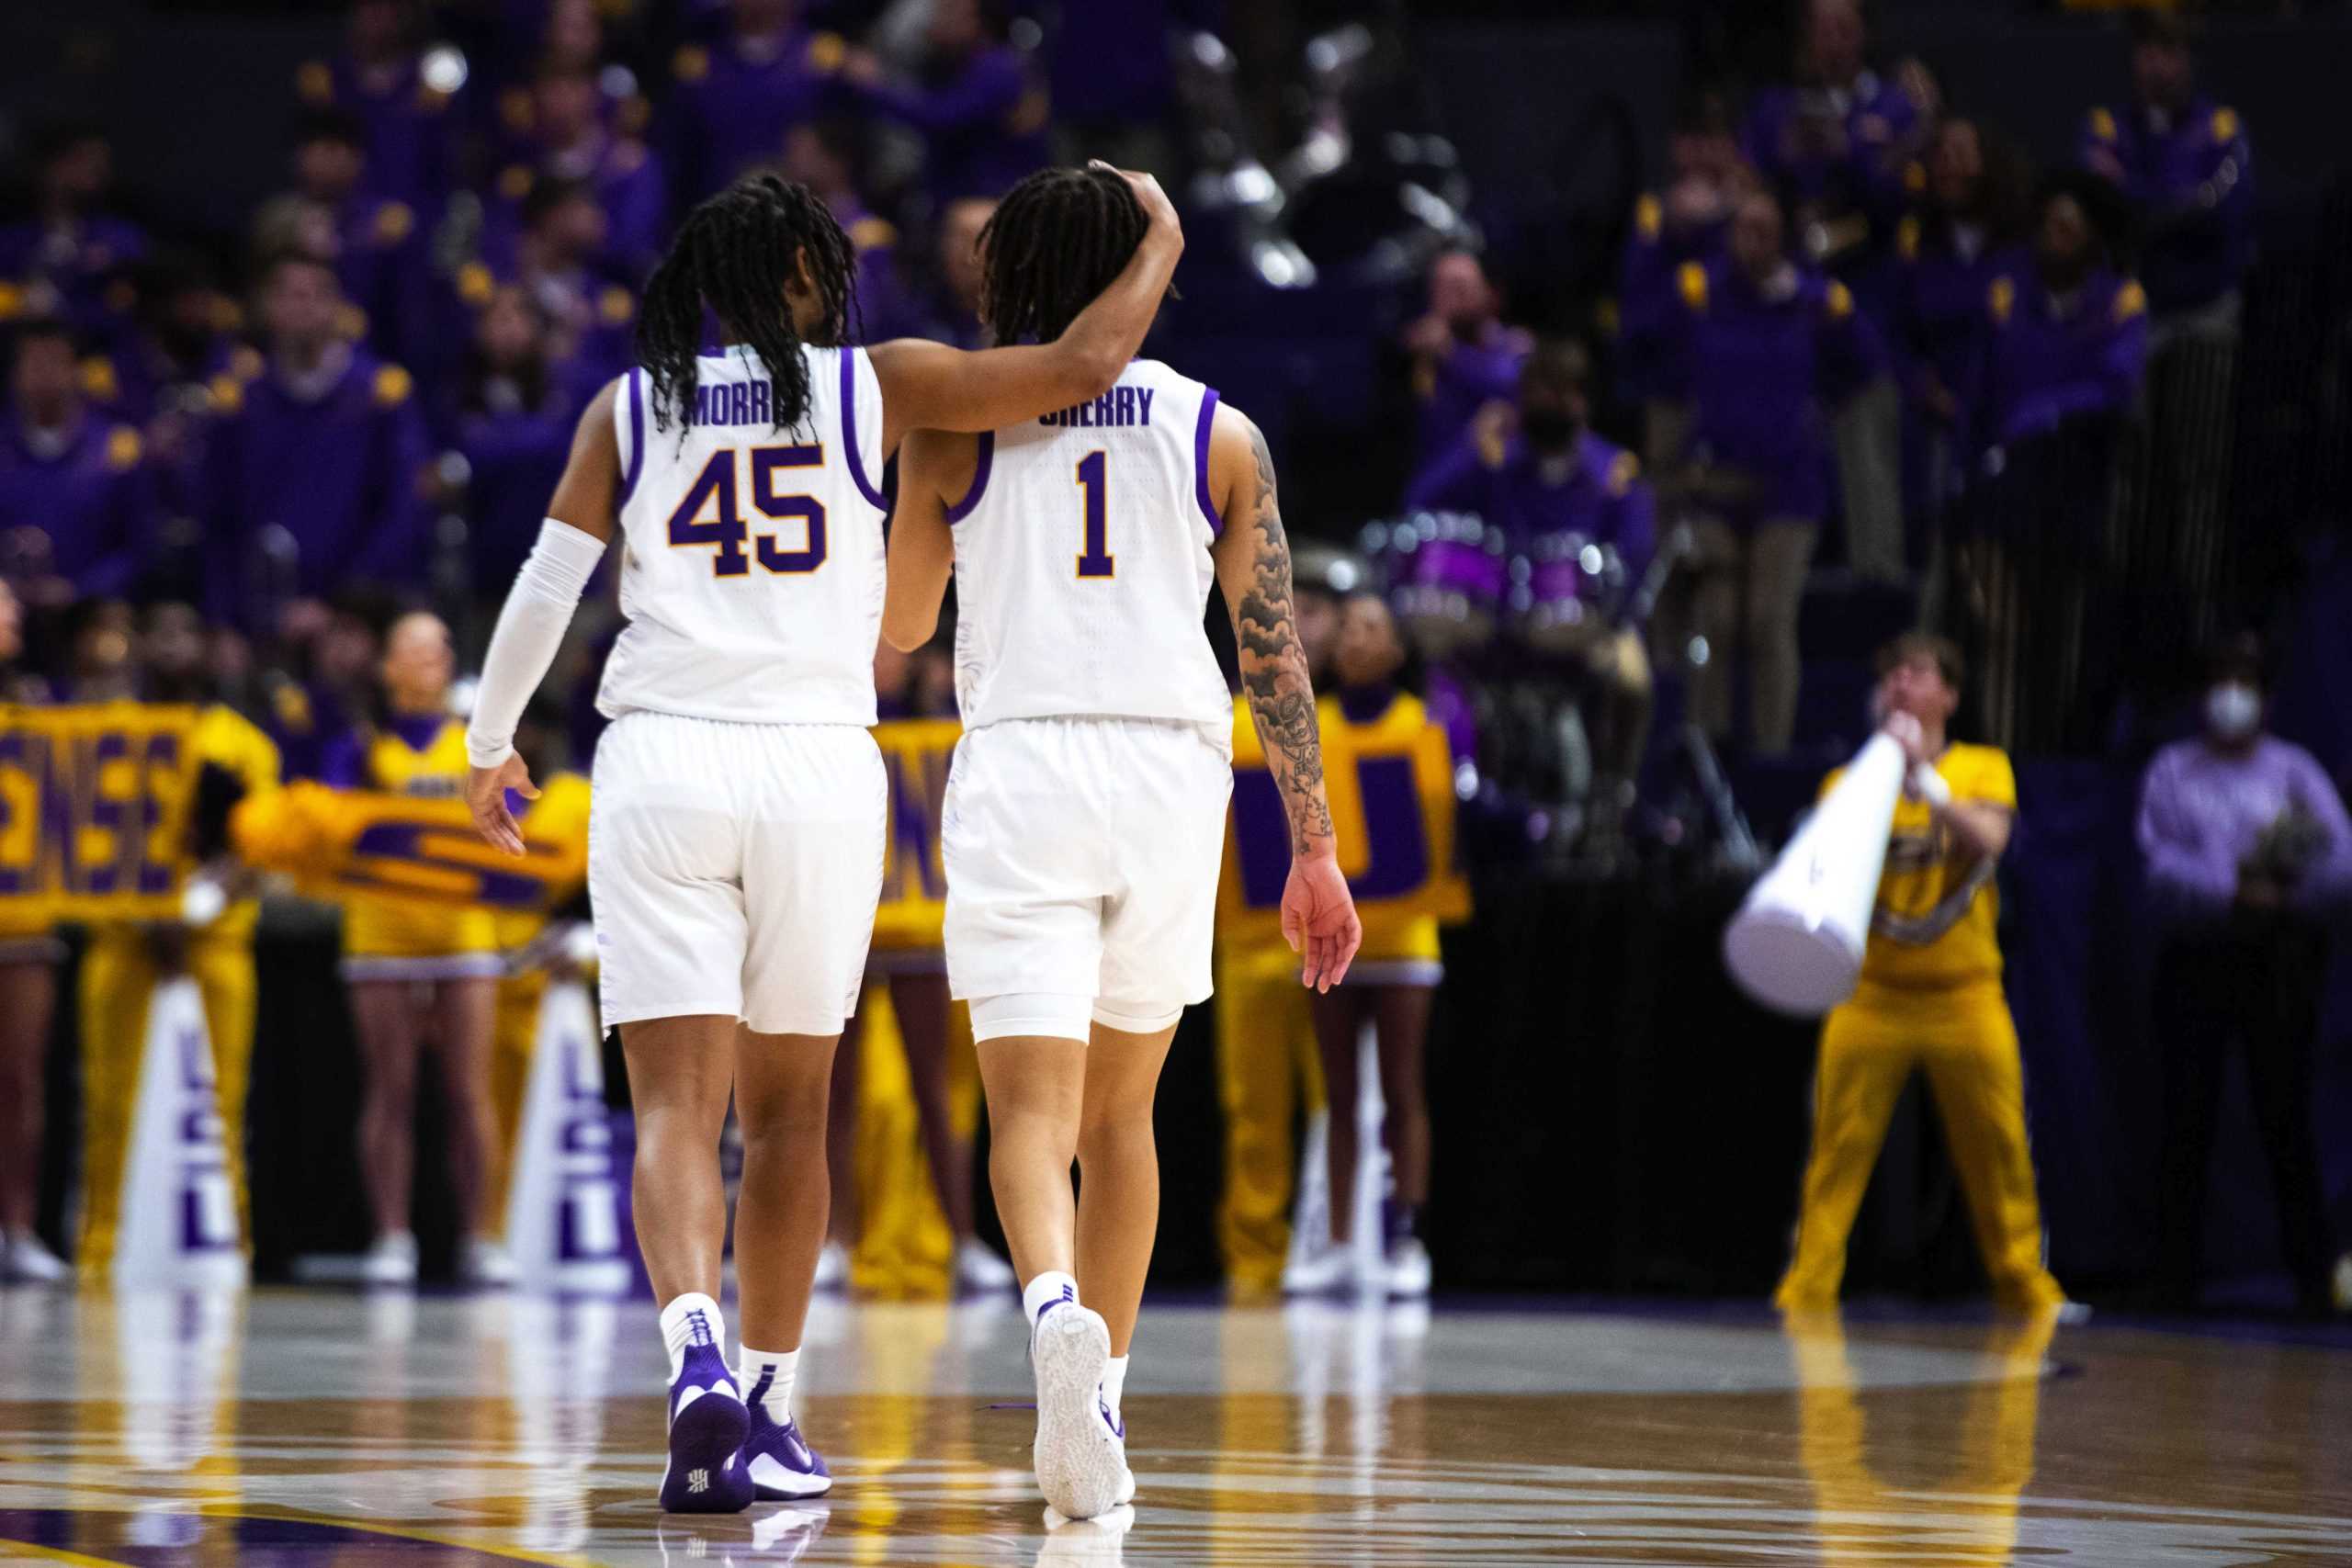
[
  {"x": 391, "y": 1261},
  {"x": 980, "y": 1271},
  {"x": 1406, "y": 1270},
  {"x": 833, "y": 1268},
  {"x": 484, "y": 1262},
  {"x": 1328, "y": 1268},
  {"x": 23, "y": 1256}
]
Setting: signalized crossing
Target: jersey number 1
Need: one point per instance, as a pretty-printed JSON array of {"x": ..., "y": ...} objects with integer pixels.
[
  {"x": 727, "y": 530},
  {"x": 1094, "y": 560}
]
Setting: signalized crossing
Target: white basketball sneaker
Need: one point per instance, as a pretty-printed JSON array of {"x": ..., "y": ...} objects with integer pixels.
[
  {"x": 979, "y": 1271},
  {"x": 485, "y": 1263},
  {"x": 833, "y": 1268},
  {"x": 24, "y": 1258},
  {"x": 391, "y": 1261},
  {"x": 1405, "y": 1270},
  {"x": 1081, "y": 1453}
]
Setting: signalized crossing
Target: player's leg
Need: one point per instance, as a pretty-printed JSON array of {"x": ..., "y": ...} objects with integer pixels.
[
  {"x": 1118, "y": 1163},
  {"x": 812, "y": 878},
  {"x": 1401, "y": 1018},
  {"x": 465, "y": 1018},
  {"x": 1036, "y": 1086},
  {"x": 665, "y": 864},
  {"x": 384, "y": 1016},
  {"x": 1865, "y": 1058},
  {"x": 681, "y": 1071},
  {"x": 1339, "y": 1014},
  {"x": 1978, "y": 1079}
]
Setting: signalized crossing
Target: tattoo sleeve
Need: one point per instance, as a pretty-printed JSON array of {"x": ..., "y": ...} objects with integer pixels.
[{"x": 1274, "y": 669}]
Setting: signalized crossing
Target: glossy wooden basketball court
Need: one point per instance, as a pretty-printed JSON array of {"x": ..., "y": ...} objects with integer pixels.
[{"x": 292, "y": 1428}]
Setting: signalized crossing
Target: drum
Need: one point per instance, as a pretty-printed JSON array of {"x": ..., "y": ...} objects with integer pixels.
[
  {"x": 1562, "y": 590},
  {"x": 1449, "y": 574}
]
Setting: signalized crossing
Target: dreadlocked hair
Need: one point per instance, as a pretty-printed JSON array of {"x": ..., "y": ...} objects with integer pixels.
[
  {"x": 1056, "y": 239},
  {"x": 734, "y": 254}
]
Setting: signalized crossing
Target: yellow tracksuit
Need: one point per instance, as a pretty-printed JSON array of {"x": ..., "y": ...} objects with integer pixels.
[
  {"x": 1930, "y": 996},
  {"x": 118, "y": 975}
]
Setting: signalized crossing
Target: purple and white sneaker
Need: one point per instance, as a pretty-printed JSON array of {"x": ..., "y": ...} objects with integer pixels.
[
  {"x": 783, "y": 1467},
  {"x": 1080, "y": 1454},
  {"x": 707, "y": 1423}
]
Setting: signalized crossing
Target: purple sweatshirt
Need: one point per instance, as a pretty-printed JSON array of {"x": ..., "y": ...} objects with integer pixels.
[{"x": 2202, "y": 813}]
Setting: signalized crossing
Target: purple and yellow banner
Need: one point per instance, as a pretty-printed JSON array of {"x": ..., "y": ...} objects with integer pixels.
[
  {"x": 1391, "y": 786},
  {"x": 915, "y": 754},
  {"x": 94, "y": 803},
  {"x": 335, "y": 843}
]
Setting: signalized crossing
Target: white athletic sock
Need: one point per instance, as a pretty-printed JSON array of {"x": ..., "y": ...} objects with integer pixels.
[
  {"x": 691, "y": 1319},
  {"x": 1114, "y": 1384},
  {"x": 778, "y": 1369},
  {"x": 1053, "y": 1285}
]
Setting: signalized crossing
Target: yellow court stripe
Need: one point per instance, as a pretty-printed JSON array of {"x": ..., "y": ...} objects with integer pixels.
[
  {"x": 19, "y": 1550},
  {"x": 304, "y": 1516}
]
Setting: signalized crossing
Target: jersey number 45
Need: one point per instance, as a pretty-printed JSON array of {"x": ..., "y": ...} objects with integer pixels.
[{"x": 714, "y": 491}]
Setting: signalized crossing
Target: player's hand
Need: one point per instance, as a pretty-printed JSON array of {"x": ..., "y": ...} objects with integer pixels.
[
  {"x": 486, "y": 798},
  {"x": 1320, "y": 921},
  {"x": 1157, "y": 211}
]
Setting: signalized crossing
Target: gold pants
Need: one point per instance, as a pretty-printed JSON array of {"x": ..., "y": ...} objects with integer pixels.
[
  {"x": 118, "y": 976},
  {"x": 1964, "y": 1037},
  {"x": 1267, "y": 1072}
]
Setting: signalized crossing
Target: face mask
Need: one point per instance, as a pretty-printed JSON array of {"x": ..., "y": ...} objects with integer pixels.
[
  {"x": 1549, "y": 429},
  {"x": 2232, "y": 710}
]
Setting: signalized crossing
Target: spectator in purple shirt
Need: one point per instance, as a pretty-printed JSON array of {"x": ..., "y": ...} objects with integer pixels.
[
  {"x": 374, "y": 243},
  {"x": 2184, "y": 163},
  {"x": 978, "y": 103},
  {"x": 512, "y": 423},
  {"x": 734, "y": 98},
  {"x": 1463, "y": 357},
  {"x": 2069, "y": 336},
  {"x": 68, "y": 259},
  {"x": 955, "y": 315},
  {"x": 1687, "y": 221},
  {"x": 78, "y": 502},
  {"x": 381, "y": 78},
  {"x": 312, "y": 476},
  {"x": 569, "y": 136},
  {"x": 1948, "y": 252},
  {"x": 827, "y": 155},
  {"x": 2248, "y": 851},
  {"x": 1770, "y": 350}
]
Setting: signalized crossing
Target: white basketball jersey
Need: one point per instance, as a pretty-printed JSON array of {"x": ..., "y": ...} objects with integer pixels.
[
  {"x": 1082, "y": 562},
  {"x": 751, "y": 560}
]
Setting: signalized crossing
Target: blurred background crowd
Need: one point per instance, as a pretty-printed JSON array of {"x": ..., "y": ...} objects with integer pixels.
[{"x": 1652, "y": 365}]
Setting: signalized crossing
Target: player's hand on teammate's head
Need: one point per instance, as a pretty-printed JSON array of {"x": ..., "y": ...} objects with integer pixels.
[
  {"x": 1320, "y": 922},
  {"x": 486, "y": 798},
  {"x": 1156, "y": 208}
]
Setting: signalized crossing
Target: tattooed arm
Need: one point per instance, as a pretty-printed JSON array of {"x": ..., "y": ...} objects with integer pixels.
[{"x": 1253, "y": 569}]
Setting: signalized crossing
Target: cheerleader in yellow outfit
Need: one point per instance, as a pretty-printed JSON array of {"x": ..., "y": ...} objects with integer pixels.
[
  {"x": 421, "y": 972},
  {"x": 1930, "y": 996},
  {"x": 1390, "y": 985},
  {"x": 126, "y": 960},
  {"x": 29, "y": 952}
]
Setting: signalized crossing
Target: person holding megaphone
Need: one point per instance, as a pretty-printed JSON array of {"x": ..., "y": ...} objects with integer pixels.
[{"x": 1929, "y": 995}]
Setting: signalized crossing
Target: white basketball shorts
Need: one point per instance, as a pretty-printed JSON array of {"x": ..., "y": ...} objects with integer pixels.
[
  {"x": 734, "y": 869},
  {"x": 1082, "y": 858}
]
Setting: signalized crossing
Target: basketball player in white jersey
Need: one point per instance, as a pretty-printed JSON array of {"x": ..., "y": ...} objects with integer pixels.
[
  {"x": 735, "y": 849},
  {"x": 1085, "y": 815}
]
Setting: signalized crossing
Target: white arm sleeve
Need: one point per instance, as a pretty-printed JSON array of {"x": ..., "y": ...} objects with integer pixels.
[{"x": 530, "y": 628}]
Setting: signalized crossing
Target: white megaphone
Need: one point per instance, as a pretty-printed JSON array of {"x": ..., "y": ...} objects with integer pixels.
[{"x": 1797, "y": 944}]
